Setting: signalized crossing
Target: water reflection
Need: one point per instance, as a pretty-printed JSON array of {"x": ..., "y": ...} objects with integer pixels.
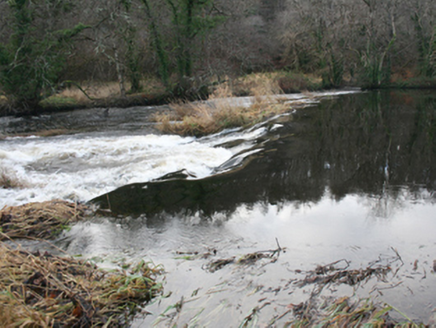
[
  {"x": 352, "y": 178},
  {"x": 379, "y": 144},
  {"x": 313, "y": 233}
]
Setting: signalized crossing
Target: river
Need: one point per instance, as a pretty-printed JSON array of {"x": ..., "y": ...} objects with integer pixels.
[{"x": 349, "y": 176}]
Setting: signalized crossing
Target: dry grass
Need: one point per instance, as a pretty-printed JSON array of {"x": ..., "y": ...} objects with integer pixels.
[
  {"x": 105, "y": 90},
  {"x": 40, "y": 220},
  {"x": 9, "y": 180},
  {"x": 275, "y": 82},
  {"x": 220, "y": 111},
  {"x": 42, "y": 290},
  {"x": 257, "y": 84},
  {"x": 88, "y": 93},
  {"x": 93, "y": 90},
  {"x": 344, "y": 312}
]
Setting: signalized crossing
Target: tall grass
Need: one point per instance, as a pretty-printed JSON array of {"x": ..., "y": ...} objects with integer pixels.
[{"x": 220, "y": 112}]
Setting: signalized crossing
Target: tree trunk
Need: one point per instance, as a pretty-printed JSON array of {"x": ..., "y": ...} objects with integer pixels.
[
  {"x": 120, "y": 73},
  {"x": 157, "y": 41}
]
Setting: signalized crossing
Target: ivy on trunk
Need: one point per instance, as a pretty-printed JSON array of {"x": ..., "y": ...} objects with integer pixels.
[{"x": 33, "y": 58}]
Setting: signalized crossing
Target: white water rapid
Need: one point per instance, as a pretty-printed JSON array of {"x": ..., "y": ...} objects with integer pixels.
[{"x": 82, "y": 166}]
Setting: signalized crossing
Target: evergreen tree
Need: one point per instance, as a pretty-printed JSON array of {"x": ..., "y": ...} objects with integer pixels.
[{"x": 35, "y": 54}]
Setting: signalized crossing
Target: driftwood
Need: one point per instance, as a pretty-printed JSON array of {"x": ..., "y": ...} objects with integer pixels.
[{"x": 250, "y": 258}]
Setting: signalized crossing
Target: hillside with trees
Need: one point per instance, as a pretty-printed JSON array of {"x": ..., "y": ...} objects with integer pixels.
[{"x": 186, "y": 46}]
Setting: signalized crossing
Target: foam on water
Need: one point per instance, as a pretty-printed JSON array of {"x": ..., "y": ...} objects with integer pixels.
[{"x": 82, "y": 167}]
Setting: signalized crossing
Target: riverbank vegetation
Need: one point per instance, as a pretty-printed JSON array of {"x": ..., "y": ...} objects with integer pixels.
[
  {"x": 46, "y": 290},
  {"x": 50, "y": 290},
  {"x": 50, "y": 49},
  {"x": 40, "y": 220},
  {"x": 221, "y": 111},
  {"x": 43, "y": 290}
]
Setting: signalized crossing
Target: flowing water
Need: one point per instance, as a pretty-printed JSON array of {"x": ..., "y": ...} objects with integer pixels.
[{"x": 348, "y": 177}]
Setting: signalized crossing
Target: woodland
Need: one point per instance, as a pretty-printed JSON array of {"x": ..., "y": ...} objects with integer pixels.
[{"x": 187, "y": 46}]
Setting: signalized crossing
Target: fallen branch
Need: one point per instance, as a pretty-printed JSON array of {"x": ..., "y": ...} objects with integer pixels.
[
  {"x": 249, "y": 258},
  {"x": 330, "y": 274}
]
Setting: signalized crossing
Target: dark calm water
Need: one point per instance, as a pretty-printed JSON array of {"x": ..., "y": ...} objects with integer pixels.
[{"x": 377, "y": 145}]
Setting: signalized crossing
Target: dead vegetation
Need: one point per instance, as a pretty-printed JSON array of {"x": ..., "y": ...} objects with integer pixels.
[
  {"x": 220, "y": 111},
  {"x": 40, "y": 220},
  {"x": 259, "y": 84},
  {"x": 9, "y": 180},
  {"x": 339, "y": 273},
  {"x": 91, "y": 91},
  {"x": 317, "y": 311},
  {"x": 42, "y": 290},
  {"x": 346, "y": 312},
  {"x": 246, "y": 259},
  {"x": 329, "y": 274}
]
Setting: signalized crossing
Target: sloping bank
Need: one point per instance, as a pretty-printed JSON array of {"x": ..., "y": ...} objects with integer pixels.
[{"x": 46, "y": 290}]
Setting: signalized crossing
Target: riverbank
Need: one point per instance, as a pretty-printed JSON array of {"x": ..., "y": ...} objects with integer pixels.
[
  {"x": 51, "y": 290},
  {"x": 107, "y": 94},
  {"x": 103, "y": 95}
]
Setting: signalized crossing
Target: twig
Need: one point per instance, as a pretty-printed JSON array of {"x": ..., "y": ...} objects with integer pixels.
[
  {"x": 385, "y": 288},
  {"x": 398, "y": 255}
]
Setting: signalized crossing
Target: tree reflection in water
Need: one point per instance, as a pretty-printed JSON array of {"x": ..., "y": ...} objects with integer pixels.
[{"x": 377, "y": 144}]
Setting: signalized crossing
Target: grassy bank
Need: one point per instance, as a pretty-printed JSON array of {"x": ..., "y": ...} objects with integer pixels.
[
  {"x": 93, "y": 95},
  {"x": 188, "y": 117}
]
